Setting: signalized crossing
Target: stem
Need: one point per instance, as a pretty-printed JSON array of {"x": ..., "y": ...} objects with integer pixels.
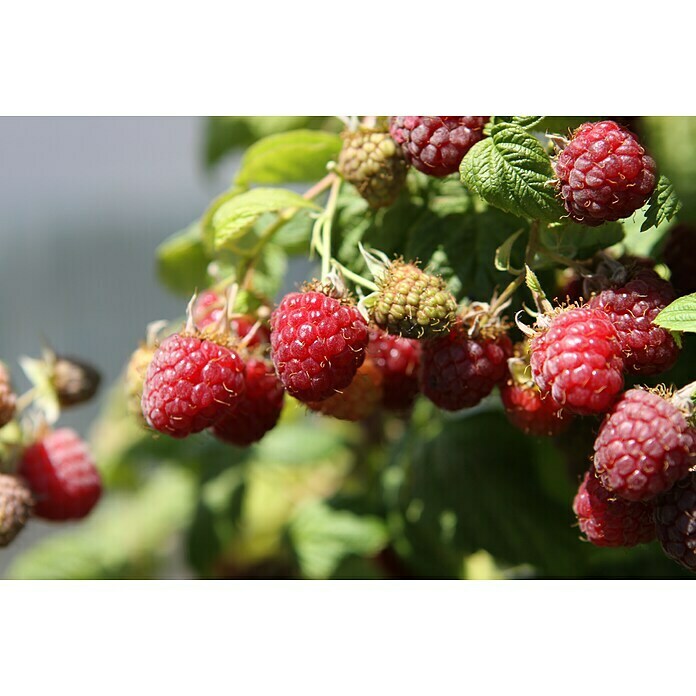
[
  {"x": 354, "y": 277},
  {"x": 563, "y": 260},
  {"x": 508, "y": 292},
  {"x": 283, "y": 217},
  {"x": 326, "y": 226}
]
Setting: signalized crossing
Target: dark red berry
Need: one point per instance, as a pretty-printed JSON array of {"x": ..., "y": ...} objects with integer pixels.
[
  {"x": 648, "y": 349},
  {"x": 317, "y": 344},
  {"x": 208, "y": 309},
  {"x": 532, "y": 413},
  {"x": 258, "y": 408},
  {"x": 644, "y": 446},
  {"x": 189, "y": 384},
  {"x": 680, "y": 256},
  {"x": 398, "y": 359},
  {"x": 577, "y": 360},
  {"x": 675, "y": 520},
  {"x": 61, "y": 475},
  {"x": 458, "y": 371},
  {"x": 604, "y": 173},
  {"x": 609, "y": 521},
  {"x": 436, "y": 145}
]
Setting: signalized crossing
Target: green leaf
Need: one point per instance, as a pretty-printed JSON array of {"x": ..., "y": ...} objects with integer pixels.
[
  {"x": 235, "y": 217},
  {"x": 663, "y": 205},
  {"x": 182, "y": 262},
  {"x": 476, "y": 485},
  {"x": 295, "y": 156},
  {"x": 225, "y": 133},
  {"x": 323, "y": 537},
  {"x": 527, "y": 122},
  {"x": 580, "y": 241},
  {"x": 680, "y": 315},
  {"x": 502, "y": 253},
  {"x": 512, "y": 171},
  {"x": 126, "y": 536}
]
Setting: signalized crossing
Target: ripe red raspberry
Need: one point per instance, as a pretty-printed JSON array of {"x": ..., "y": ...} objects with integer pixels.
[
  {"x": 258, "y": 408},
  {"x": 359, "y": 400},
  {"x": 208, "y": 309},
  {"x": 16, "y": 503},
  {"x": 680, "y": 256},
  {"x": 190, "y": 383},
  {"x": 61, "y": 474},
  {"x": 604, "y": 173},
  {"x": 317, "y": 344},
  {"x": 436, "y": 145},
  {"x": 578, "y": 360},
  {"x": 644, "y": 446},
  {"x": 532, "y": 413},
  {"x": 398, "y": 359},
  {"x": 648, "y": 349},
  {"x": 458, "y": 371},
  {"x": 675, "y": 520},
  {"x": 7, "y": 397},
  {"x": 609, "y": 521}
]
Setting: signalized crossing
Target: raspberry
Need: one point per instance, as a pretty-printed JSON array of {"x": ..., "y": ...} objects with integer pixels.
[
  {"x": 7, "y": 397},
  {"x": 61, "y": 475},
  {"x": 675, "y": 520},
  {"x": 258, "y": 409},
  {"x": 359, "y": 400},
  {"x": 374, "y": 164},
  {"x": 648, "y": 349},
  {"x": 412, "y": 303},
  {"x": 644, "y": 446},
  {"x": 531, "y": 413},
  {"x": 436, "y": 145},
  {"x": 74, "y": 380},
  {"x": 680, "y": 256},
  {"x": 15, "y": 507},
  {"x": 604, "y": 174},
  {"x": 208, "y": 309},
  {"x": 458, "y": 371},
  {"x": 398, "y": 359},
  {"x": 189, "y": 384},
  {"x": 577, "y": 360},
  {"x": 317, "y": 344},
  {"x": 572, "y": 290},
  {"x": 609, "y": 521}
]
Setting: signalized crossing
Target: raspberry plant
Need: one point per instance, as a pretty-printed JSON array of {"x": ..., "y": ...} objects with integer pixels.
[{"x": 417, "y": 407}]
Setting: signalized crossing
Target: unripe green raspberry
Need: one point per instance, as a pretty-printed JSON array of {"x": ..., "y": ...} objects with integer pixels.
[
  {"x": 374, "y": 164},
  {"x": 15, "y": 507},
  {"x": 7, "y": 397},
  {"x": 413, "y": 303},
  {"x": 135, "y": 379}
]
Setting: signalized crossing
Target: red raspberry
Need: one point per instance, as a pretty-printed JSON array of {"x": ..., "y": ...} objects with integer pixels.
[
  {"x": 609, "y": 521},
  {"x": 359, "y": 400},
  {"x": 435, "y": 145},
  {"x": 190, "y": 383},
  {"x": 317, "y": 344},
  {"x": 208, "y": 309},
  {"x": 648, "y": 349},
  {"x": 530, "y": 412},
  {"x": 398, "y": 359},
  {"x": 458, "y": 371},
  {"x": 258, "y": 408},
  {"x": 680, "y": 256},
  {"x": 62, "y": 476},
  {"x": 578, "y": 360},
  {"x": 644, "y": 446},
  {"x": 604, "y": 173},
  {"x": 675, "y": 520}
]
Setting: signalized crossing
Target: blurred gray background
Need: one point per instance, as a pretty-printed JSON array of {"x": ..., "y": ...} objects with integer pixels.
[{"x": 84, "y": 202}]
